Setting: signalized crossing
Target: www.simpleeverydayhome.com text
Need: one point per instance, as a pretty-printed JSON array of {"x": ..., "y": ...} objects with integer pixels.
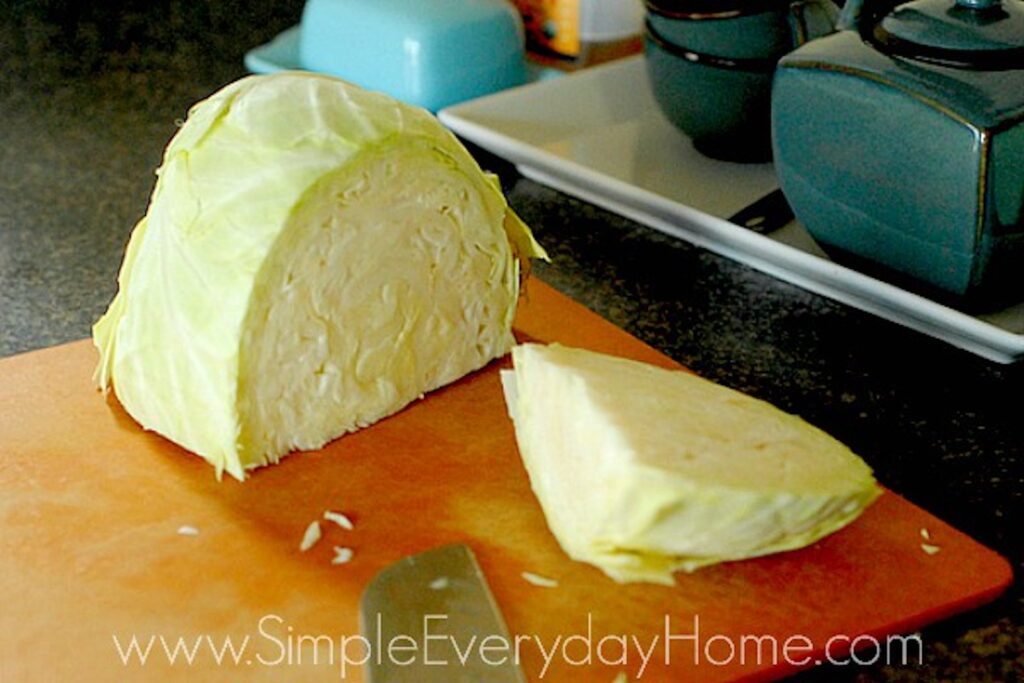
[{"x": 275, "y": 643}]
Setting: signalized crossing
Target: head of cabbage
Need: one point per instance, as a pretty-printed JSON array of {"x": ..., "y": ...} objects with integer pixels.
[{"x": 313, "y": 258}]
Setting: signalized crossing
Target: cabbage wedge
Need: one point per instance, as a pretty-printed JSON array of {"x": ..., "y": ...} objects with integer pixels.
[
  {"x": 642, "y": 471},
  {"x": 314, "y": 257}
]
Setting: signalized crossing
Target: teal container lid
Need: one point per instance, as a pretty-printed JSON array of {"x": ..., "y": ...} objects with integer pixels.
[{"x": 430, "y": 53}]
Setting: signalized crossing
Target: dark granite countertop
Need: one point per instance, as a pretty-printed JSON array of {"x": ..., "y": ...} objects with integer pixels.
[{"x": 89, "y": 97}]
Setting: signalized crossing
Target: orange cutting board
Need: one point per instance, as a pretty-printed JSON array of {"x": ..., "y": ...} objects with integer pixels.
[{"x": 90, "y": 554}]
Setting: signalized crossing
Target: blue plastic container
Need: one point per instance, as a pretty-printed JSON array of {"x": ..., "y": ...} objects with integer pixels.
[{"x": 431, "y": 53}]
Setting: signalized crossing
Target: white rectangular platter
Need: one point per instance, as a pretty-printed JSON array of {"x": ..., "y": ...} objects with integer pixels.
[{"x": 598, "y": 135}]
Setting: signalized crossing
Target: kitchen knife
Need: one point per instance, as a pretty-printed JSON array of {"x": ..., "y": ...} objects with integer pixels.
[{"x": 431, "y": 618}]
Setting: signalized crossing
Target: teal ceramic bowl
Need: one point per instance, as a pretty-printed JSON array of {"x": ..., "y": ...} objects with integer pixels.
[
  {"x": 711, "y": 64},
  {"x": 431, "y": 53},
  {"x": 723, "y": 105},
  {"x": 745, "y": 30},
  {"x": 901, "y": 142}
]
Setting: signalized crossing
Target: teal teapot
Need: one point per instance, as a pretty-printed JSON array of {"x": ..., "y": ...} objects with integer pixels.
[{"x": 899, "y": 141}]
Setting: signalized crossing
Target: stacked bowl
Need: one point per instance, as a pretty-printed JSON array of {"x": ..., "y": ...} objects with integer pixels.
[{"x": 711, "y": 64}]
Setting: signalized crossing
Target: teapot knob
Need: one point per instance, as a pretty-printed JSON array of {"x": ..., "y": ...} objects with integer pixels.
[{"x": 978, "y": 4}]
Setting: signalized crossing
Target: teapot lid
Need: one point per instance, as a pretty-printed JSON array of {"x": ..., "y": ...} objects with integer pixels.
[{"x": 969, "y": 34}]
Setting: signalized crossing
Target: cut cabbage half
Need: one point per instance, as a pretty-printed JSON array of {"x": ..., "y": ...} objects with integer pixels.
[
  {"x": 643, "y": 471},
  {"x": 314, "y": 257}
]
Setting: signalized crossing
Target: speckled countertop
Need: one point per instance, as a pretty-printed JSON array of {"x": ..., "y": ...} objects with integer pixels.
[{"x": 89, "y": 97}]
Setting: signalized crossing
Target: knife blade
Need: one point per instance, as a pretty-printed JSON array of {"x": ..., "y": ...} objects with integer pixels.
[{"x": 438, "y": 608}]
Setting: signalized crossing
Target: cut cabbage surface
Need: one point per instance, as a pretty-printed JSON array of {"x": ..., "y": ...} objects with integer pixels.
[
  {"x": 643, "y": 471},
  {"x": 314, "y": 257}
]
